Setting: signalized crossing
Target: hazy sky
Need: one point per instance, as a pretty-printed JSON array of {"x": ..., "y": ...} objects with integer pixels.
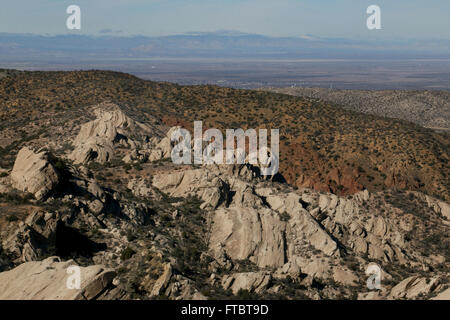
[{"x": 326, "y": 18}]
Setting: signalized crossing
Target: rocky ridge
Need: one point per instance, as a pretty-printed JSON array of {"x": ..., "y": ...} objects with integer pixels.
[{"x": 322, "y": 145}]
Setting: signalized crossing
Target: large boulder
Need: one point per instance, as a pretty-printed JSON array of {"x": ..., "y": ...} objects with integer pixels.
[
  {"x": 33, "y": 173},
  {"x": 48, "y": 279}
]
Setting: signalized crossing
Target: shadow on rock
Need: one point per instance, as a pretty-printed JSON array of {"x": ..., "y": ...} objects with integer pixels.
[{"x": 70, "y": 241}]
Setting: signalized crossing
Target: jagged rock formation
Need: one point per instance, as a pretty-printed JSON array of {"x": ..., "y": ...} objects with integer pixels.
[
  {"x": 192, "y": 182},
  {"x": 274, "y": 229},
  {"x": 99, "y": 139},
  {"x": 416, "y": 286},
  {"x": 33, "y": 173},
  {"x": 212, "y": 231}
]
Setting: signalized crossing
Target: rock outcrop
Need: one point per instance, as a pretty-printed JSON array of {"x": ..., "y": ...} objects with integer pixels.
[
  {"x": 245, "y": 233},
  {"x": 444, "y": 295},
  {"x": 250, "y": 281},
  {"x": 99, "y": 139},
  {"x": 414, "y": 287},
  {"x": 162, "y": 282},
  {"x": 202, "y": 183},
  {"x": 33, "y": 173},
  {"x": 143, "y": 227},
  {"x": 253, "y": 221},
  {"x": 48, "y": 280},
  {"x": 438, "y": 206},
  {"x": 256, "y": 234},
  {"x": 143, "y": 188}
]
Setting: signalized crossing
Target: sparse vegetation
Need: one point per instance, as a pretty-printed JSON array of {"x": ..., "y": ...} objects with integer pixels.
[{"x": 308, "y": 136}]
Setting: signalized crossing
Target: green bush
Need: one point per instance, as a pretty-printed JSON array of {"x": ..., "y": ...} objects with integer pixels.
[
  {"x": 127, "y": 253},
  {"x": 285, "y": 216}
]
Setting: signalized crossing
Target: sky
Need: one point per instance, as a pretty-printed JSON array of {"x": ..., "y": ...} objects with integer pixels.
[{"x": 400, "y": 19}]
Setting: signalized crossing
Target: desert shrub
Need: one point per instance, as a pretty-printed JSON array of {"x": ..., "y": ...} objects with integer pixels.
[
  {"x": 16, "y": 197},
  {"x": 285, "y": 216},
  {"x": 246, "y": 295},
  {"x": 60, "y": 165},
  {"x": 131, "y": 236},
  {"x": 127, "y": 253},
  {"x": 11, "y": 218}
]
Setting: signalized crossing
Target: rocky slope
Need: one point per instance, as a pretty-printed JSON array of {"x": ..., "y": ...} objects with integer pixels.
[
  {"x": 323, "y": 146},
  {"x": 141, "y": 227},
  {"x": 429, "y": 109}
]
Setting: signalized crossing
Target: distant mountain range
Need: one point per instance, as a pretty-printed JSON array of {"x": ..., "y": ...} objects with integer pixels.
[{"x": 222, "y": 44}]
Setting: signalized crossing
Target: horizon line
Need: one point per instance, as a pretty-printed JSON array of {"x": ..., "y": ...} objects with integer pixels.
[{"x": 227, "y": 33}]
